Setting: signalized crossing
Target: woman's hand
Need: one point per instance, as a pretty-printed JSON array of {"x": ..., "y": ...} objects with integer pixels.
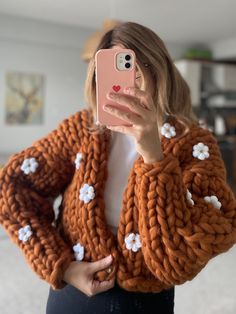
[
  {"x": 80, "y": 275},
  {"x": 144, "y": 121}
]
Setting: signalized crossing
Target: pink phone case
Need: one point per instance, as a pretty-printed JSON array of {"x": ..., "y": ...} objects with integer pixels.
[{"x": 110, "y": 78}]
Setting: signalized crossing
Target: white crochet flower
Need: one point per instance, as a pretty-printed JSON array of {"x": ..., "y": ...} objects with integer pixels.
[
  {"x": 86, "y": 193},
  {"x": 167, "y": 130},
  {"x": 213, "y": 200},
  {"x": 29, "y": 165},
  {"x": 132, "y": 242},
  {"x": 79, "y": 251},
  {"x": 79, "y": 156},
  {"x": 24, "y": 233},
  {"x": 200, "y": 151},
  {"x": 189, "y": 197}
]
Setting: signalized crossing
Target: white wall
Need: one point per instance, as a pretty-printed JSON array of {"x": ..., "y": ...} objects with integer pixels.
[
  {"x": 177, "y": 50},
  {"x": 54, "y": 51},
  {"x": 49, "y": 49},
  {"x": 224, "y": 49}
]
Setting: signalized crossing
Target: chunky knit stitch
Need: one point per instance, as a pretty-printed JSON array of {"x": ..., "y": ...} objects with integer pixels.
[{"x": 176, "y": 213}]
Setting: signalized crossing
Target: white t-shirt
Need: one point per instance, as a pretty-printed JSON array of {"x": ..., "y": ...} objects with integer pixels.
[{"x": 120, "y": 161}]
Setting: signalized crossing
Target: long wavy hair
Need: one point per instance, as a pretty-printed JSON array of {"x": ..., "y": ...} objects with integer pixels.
[{"x": 171, "y": 92}]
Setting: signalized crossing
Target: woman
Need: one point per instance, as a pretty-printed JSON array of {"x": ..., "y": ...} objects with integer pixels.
[{"x": 169, "y": 181}]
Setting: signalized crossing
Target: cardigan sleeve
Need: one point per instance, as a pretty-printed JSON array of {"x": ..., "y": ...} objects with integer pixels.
[
  {"x": 187, "y": 211},
  {"x": 27, "y": 182}
]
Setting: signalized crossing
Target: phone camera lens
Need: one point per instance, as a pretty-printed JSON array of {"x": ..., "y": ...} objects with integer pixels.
[
  {"x": 127, "y": 65},
  {"x": 127, "y": 57}
]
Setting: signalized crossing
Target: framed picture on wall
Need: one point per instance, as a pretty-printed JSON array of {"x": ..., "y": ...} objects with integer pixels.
[{"x": 24, "y": 99}]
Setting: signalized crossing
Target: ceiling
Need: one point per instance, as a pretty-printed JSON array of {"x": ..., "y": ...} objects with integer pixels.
[{"x": 182, "y": 21}]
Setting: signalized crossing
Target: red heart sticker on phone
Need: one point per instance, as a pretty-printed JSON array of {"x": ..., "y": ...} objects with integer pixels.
[{"x": 116, "y": 88}]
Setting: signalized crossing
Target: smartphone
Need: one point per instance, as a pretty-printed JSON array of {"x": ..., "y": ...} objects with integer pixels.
[{"x": 115, "y": 70}]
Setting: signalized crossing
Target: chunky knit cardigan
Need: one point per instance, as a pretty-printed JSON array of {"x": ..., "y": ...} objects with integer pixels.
[{"x": 176, "y": 213}]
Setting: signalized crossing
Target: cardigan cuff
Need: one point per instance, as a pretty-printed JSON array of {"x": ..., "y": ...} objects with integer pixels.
[
  {"x": 56, "y": 277},
  {"x": 169, "y": 164}
]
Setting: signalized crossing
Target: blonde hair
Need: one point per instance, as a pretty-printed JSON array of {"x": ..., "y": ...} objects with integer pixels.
[{"x": 171, "y": 95}]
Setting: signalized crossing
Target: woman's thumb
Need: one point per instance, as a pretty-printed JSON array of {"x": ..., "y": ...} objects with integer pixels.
[{"x": 102, "y": 263}]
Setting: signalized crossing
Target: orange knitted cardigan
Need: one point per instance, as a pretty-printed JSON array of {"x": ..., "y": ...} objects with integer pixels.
[{"x": 176, "y": 213}]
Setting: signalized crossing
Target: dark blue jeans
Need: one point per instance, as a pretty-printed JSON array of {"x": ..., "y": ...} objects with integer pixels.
[{"x": 70, "y": 300}]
